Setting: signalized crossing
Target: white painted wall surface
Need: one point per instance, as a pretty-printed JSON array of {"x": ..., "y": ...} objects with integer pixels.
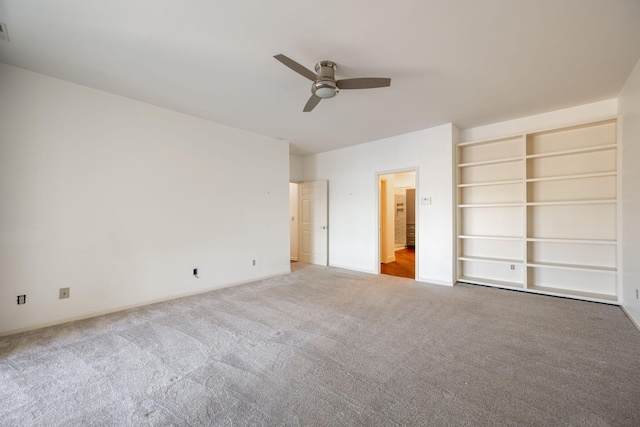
[
  {"x": 353, "y": 199},
  {"x": 295, "y": 168},
  {"x": 549, "y": 120},
  {"x": 629, "y": 108},
  {"x": 119, "y": 201}
]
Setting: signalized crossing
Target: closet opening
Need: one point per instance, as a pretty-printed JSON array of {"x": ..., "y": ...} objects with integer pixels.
[{"x": 397, "y": 223}]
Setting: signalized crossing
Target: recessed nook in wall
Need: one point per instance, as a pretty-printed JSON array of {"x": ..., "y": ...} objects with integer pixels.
[{"x": 545, "y": 202}]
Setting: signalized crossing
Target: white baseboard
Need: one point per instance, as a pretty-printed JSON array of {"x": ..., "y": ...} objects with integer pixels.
[
  {"x": 624, "y": 310},
  {"x": 434, "y": 281},
  {"x": 361, "y": 270},
  {"x": 130, "y": 306}
]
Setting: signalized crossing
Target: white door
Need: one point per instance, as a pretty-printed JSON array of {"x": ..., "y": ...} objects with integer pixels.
[
  {"x": 313, "y": 222},
  {"x": 294, "y": 226}
]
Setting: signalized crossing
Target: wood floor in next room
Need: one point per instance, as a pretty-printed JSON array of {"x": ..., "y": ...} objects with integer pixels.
[{"x": 403, "y": 266}]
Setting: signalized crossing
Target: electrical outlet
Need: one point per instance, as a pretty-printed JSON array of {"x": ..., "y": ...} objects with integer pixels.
[
  {"x": 22, "y": 299},
  {"x": 64, "y": 293},
  {"x": 636, "y": 293},
  {"x": 513, "y": 267},
  {"x": 195, "y": 273},
  {"x": 254, "y": 262}
]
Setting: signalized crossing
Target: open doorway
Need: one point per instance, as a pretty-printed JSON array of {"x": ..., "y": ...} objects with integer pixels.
[{"x": 398, "y": 224}]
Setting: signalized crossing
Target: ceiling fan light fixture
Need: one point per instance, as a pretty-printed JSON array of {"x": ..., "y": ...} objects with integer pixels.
[
  {"x": 325, "y": 92},
  {"x": 325, "y": 89}
]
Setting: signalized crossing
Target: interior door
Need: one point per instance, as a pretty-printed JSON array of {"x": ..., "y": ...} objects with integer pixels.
[
  {"x": 313, "y": 222},
  {"x": 294, "y": 227}
]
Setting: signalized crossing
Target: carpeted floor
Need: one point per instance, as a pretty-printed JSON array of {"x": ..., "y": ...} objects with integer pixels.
[{"x": 330, "y": 347}]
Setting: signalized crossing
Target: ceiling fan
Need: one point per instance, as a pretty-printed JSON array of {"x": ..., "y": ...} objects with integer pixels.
[{"x": 324, "y": 83}]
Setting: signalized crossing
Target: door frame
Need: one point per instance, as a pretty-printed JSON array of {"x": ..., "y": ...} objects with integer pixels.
[
  {"x": 386, "y": 193},
  {"x": 378, "y": 224}
]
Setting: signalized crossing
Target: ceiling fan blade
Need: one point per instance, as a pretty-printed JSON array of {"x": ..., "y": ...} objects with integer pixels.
[
  {"x": 300, "y": 69},
  {"x": 311, "y": 103},
  {"x": 363, "y": 83}
]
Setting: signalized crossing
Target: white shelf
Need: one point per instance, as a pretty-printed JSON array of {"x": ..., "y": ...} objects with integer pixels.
[
  {"x": 491, "y": 205},
  {"x": 491, "y": 162},
  {"x": 578, "y": 241},
  {"x": 490, "y": 141},
  {"x": 573, "y": 202},
  {"x": 489, "y": 282},
  {"x": 465, "y": 236},
  {"x": 482, "y": 184},
  {"x": 588, "y": 296},
  {"x": 573, "y": 267},
  {"x": 485, "y": 259},
  {"x": 576, "y": 176},
  {"x": 582, "y": 268},
  {"x": 573, "y": 151}
]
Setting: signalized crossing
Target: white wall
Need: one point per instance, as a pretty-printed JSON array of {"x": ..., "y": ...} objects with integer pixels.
[
  {"x": 629, "y": 108},
  {"x": 353, "y": 199},
  {"x": 295, "y": 168},
  {"x": 119, "y": 201},
  {"x": 550, "y": 120}
]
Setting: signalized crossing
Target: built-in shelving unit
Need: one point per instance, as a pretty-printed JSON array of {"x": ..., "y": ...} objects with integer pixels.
[{"x": 538, "y": 212}]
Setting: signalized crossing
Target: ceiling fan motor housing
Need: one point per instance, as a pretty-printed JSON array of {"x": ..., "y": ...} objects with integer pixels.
[{"x": 325, "y": 87}]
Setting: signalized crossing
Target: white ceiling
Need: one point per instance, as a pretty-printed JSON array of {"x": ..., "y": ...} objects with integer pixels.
[{"x": 470, "y": 62}]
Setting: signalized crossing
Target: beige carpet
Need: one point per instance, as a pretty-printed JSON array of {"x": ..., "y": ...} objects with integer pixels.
[{"x": 329, "y": 347}]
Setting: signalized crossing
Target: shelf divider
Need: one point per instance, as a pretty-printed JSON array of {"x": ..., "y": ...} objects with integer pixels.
[
  {"x": 488, "y": 259},
  {"x": 488, "y": 183},
  {"x": 491, "y": 282},
  {"x": 589, "y": 296},
  {"x": 575, "y": 176},
  {"x": 578, "y": 241},
  {"x": 573, "y": 151},
  {"x": 492, "y": 205},
  {"x": 574, "y": 202},
  {"x": 491, "y": 162},
  {"x": 466, "y": 236},
  {"x": 489, "y": 141},
  {"x": 574, "y": 267}
]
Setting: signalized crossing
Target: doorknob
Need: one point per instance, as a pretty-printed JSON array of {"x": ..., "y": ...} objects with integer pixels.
[{"x": 324, "y": 227}]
